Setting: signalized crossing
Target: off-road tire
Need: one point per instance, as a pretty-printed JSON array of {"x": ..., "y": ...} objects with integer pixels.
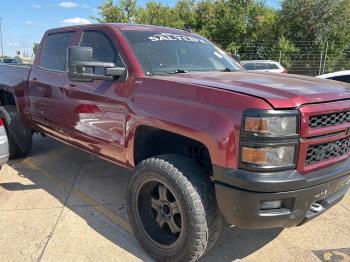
[
  {"x": 193, "y": 190},
  {"x": 19, "y": 135}
]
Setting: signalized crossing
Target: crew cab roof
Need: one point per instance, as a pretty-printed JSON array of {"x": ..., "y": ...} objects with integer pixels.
[{"x": 123, "y": 26}]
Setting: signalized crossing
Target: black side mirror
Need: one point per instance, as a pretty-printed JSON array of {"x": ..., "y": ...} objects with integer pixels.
[{"x": 81, "y": 66}]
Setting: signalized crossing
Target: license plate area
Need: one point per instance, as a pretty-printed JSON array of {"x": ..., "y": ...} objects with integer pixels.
[{"x": 338, "y": 185}]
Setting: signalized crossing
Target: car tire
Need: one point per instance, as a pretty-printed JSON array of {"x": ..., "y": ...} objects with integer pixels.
[
  {"x": 19, "y": 135},
  {"x": 172, "y": 208}
]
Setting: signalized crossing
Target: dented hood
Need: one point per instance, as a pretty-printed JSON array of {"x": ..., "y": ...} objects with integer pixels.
[{"x": 279, "y": 90}]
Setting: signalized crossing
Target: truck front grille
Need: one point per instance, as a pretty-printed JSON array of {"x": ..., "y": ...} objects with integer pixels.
[
  {"x": 325, "y": 151},
  {"x": 331, "y": 119}
]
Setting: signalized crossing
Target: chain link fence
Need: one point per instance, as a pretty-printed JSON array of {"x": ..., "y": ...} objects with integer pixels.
[{"x": 307, "y": 58}]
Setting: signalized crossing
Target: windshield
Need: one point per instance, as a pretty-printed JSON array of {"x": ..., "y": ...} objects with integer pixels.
[{"x": 166, "y": 53}]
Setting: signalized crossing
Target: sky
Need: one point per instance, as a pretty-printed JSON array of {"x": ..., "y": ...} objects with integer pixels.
[{"x": 25, "y": 21}]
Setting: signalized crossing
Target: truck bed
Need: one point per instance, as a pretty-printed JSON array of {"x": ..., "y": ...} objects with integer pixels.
[{"x": 12, "y": 76}]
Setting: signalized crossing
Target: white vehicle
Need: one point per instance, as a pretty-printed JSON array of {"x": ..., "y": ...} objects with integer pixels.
[
  {"x": 4, "y": 144},
  {"x": 342, "y": 76},
  {"x": 263, "y": 66}
]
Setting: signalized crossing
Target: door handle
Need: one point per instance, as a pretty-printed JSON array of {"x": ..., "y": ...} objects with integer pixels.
[
  {"x": 35, "y": 80},
  {"x": 71, "y": 88}
]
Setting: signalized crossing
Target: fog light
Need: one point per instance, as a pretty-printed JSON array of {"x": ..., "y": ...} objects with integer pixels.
[{"x": 271, "y": 204}]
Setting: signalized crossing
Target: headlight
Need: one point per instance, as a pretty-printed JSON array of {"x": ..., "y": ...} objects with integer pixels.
[
  {"x": 280, "y": 156},
  {"x": 269, "y": 139},
  {"x": 272, "y": 126},
  {"x": 270, "y": 123}
]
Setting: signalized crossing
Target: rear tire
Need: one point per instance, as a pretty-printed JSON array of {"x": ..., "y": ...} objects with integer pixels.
[
  {"x": 19, "y": 135},
  {"x": 172, "y": 208}
]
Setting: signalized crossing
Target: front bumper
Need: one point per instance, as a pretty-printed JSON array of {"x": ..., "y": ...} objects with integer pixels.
[{"x": 240, "y": 201}]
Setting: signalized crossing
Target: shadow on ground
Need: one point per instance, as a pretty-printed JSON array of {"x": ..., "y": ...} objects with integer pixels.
[{"x": 68, "y": 168}]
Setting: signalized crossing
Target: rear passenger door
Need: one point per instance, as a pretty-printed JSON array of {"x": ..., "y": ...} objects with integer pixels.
[
  {"x": 97, "y": 110},
  {"x": 46, "y": 84}
]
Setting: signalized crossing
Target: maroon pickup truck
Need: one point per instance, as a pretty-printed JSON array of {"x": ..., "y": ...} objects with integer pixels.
[{"x": 207, "y": 141}]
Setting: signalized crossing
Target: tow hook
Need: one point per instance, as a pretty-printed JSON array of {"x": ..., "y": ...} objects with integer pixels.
[{"x": 316, "y": 207}]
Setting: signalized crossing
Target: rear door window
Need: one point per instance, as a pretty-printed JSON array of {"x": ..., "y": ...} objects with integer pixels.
[
  {"x": 54, "y": 53},
  {"x": 272, "y": 66},
  {"x": 261, "y": 66},
  {"x": 248, "y": 66}
]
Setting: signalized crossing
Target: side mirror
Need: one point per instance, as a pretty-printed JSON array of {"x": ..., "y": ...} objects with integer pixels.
[{"x": 81, "y": 66}]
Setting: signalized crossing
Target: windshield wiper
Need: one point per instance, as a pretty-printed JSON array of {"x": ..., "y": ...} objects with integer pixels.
[
  {"x": 180, "y": 71},
  {"x": 177, "y": 71},
  {"x": 226, "y": 69}
]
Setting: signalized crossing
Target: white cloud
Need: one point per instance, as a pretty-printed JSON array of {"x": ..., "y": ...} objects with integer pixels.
[
  {"x": 13, "y": 44},
  {"x": 31, "y": 23},
  {"x": 76, "y": 21},
  {"x": 36, "y": 6},
  {"x": 68, "y": 4},
  {"x": 85, "y": 6}
]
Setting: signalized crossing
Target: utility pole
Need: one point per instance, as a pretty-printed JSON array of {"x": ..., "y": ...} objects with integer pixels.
[
  {"x": 320, "y": 69},
  {"x": 1, "y": 42},
  {"x": 325, "y": 58}
]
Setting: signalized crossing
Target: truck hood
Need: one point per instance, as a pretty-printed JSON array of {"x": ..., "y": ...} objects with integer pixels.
[{"x": 279, "y": 90}]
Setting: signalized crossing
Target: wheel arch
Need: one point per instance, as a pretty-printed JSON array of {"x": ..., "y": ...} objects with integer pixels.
[{"x": 149, "y": 141}]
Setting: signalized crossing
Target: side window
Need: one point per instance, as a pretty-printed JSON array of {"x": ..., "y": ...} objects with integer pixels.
[
  {"x": 260, "y": 66},
  {"x": 104, "y": 49},
  {"x": 248, "y": 66},
  {"x": 345, "y": 78},
  {"x": 54, "y": 53},
  {"x": 272, "y": 66}
]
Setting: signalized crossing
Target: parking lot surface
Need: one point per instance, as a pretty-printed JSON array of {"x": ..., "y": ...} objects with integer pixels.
[{"x": 62, "y": 204}]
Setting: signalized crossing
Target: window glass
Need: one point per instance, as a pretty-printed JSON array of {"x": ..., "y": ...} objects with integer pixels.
[
  {"x": 345, "y": 79},
  {"x": 272, "y": 66},
  {"x": 249, "y": 66},
  {"x": 261, "y": 66},
  {"x": 54, "y": 53},
  {"x": 161, "y": 53},
  {"x": 103, "y": 49}
]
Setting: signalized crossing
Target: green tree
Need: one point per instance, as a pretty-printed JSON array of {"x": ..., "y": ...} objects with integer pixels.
[
  {"x": 35, "y": 48},
  {"x": 125, "y": 11},
  {"x": 319, "y": 21},
  {"x": 312, "y": 25},
  {"x": 156, "y": 13}
]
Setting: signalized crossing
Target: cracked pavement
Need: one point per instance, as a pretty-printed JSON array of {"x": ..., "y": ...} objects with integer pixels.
[{"x": 61, "y": 204}]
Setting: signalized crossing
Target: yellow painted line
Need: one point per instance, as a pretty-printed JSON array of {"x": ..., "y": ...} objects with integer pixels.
[{"x": 84, "y": 197}]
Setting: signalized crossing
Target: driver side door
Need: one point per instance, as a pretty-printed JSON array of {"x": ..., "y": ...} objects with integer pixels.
[{"x": 97, "y": 110}]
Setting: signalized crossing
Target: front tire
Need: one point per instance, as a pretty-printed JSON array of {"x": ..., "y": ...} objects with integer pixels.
[{"x": 172, "y": 208}]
